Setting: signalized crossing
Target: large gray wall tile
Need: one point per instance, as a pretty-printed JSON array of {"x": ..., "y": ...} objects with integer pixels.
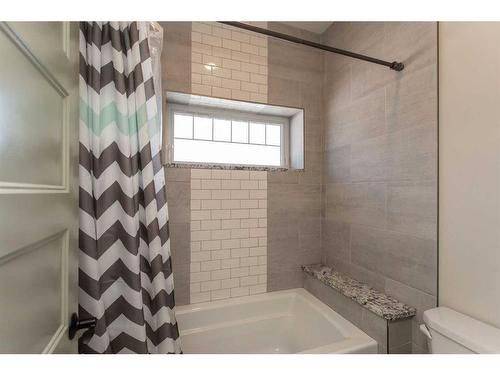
[
  {"x": 294, "y": 197},
  {"x": 380, "y": 163},
  {"x": 399, "y": 338},
  {"x": 412, "y": 208},
  {"x": 178, "y": 199},
  {"x": 374, "y": 279},
  {"x": 362, "y": 119},
  {"x": 176, "y": 56},
  {"x": 283, "y": 91},
  {"x": 349, "y": 309},
  {"x": 179, "y": 196},
  {"x": 412, "y": 99},
  {"x": 181, "y": 283},
  {"x": 177, "y": 174},
  {"x": 176, "y": 76},
  {"x": 410, "y": 260},
  {"x": 370, "y": 159},
  {"x": 375, "y": 327},
  {"x": 402, "y": 349},
  {"x": 294, "y": 232},
  {"x": 420, "y": 300},
  {"x": 180, "y": 242},
  {"x": 336, "y": 236},
  {"x": 413, "y": 154},
  {"x": 360, "y": 203},
  {"x": 339, "y": 162},
  {"x": 415, "y": 43},
  {"x": 366, "y": 37},
  {"x": 337, "y": 89}
]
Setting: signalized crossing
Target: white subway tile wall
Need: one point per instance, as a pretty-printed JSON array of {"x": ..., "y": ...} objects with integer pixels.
[
  {"x": 228, "y": 234},
  {"x": 228, "y": 62}
]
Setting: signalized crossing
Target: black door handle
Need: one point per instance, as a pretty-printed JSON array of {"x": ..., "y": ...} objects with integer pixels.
[{"x": 76, "y": 324}]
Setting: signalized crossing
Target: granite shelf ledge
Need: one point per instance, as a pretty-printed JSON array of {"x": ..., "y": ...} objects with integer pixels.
[{"x": 377, "y": 302}]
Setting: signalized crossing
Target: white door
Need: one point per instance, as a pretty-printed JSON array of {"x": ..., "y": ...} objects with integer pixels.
[{"x": 38, "y": 185}]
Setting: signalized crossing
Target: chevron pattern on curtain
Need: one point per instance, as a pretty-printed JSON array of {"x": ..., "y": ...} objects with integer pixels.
[{"x": 125, "y": 273}]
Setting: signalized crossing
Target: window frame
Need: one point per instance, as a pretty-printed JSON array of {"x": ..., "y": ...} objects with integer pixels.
[{"x": 231, "y": 115}]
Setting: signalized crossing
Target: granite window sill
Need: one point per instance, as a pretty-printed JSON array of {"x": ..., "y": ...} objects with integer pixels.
[{"x": 229, "y": 167}]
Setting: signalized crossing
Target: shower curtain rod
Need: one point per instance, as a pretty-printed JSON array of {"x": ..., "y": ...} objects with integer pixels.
[{"x": 397, "y": 66}]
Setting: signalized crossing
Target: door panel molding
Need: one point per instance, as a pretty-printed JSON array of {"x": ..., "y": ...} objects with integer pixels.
[
  {"x": 7, "y": 187},
  {"x": 63, "y": 237},
  {"x": 66, "y": 42},
  {"x": 19, "y": 43},
  {"x": 62, "y": 330},
  {"x": 55, "y": 340},
  {"x": 10, "y": 187}
]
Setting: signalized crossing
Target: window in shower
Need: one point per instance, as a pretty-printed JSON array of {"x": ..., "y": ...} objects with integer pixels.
[{"x": 221, "y": 136}]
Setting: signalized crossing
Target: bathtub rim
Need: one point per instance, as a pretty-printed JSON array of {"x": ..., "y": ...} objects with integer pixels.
[{"x": 355, "y": 339}]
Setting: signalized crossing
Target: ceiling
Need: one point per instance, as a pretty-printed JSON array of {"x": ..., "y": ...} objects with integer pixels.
[{"x": 317, "y": 27}]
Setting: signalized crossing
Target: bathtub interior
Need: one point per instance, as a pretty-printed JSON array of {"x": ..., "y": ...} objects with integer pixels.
[{"x": 280, "y": 322}]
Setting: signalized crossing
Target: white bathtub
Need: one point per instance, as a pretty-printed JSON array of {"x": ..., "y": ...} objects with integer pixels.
[{"x": 290, "y": 321}]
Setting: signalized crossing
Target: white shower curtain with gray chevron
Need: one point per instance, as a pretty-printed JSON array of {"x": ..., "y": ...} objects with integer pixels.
[{"x": 125, "y": 272}]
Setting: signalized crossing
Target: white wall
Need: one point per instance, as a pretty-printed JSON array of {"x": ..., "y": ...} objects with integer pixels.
[{"x": 469, "y": 191}]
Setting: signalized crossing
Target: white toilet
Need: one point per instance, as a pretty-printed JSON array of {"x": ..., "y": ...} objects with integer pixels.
[{"x": 450, "y": 332}]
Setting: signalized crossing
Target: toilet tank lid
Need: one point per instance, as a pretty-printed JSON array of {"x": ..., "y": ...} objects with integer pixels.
[{"x": 469, "y": 332}]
